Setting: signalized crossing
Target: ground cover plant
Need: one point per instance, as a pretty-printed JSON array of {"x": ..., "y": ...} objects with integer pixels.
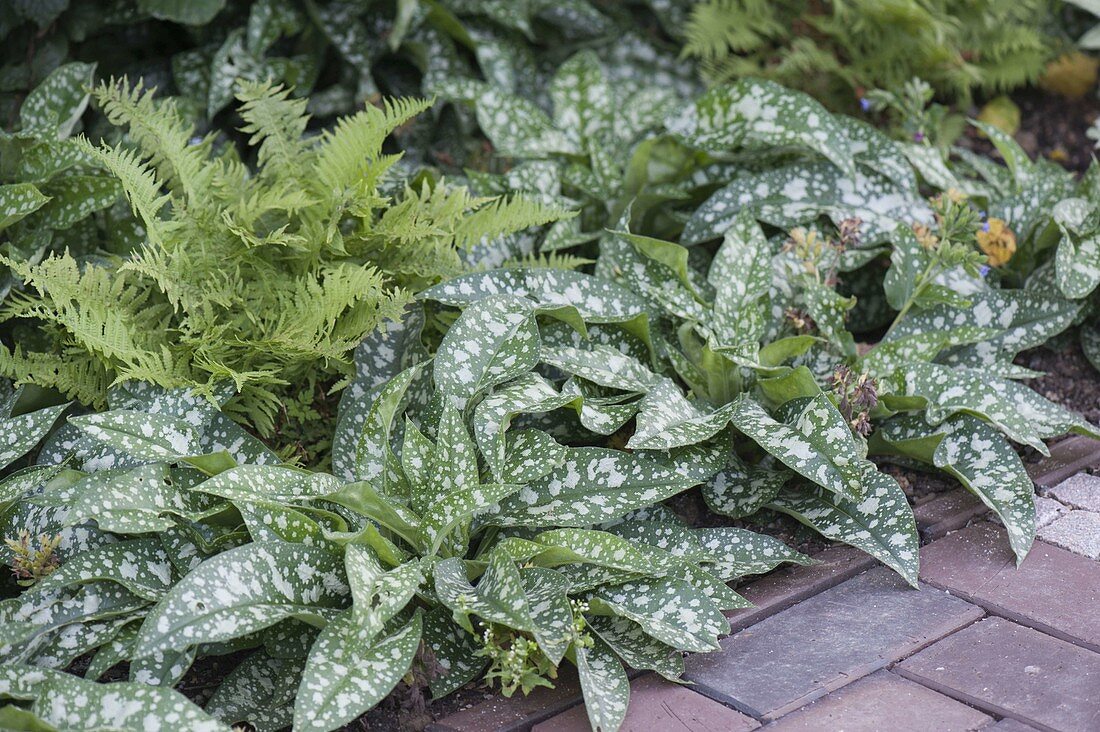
[{"x": 279, "y": 395}]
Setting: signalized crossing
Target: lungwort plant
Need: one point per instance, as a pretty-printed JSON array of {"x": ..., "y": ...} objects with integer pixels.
[
  {"x": 267, "y": 278},
  {"x": 461, "y": 536}
]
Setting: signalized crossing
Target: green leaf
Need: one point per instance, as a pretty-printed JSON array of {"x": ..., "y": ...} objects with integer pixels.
[
  {"x": 732, "y": 552},
  {"x": 146, "y": 436},
  {"x": 244, "y": 590},
  {"x": 493, "y": 341},
  {"x": 361, "y": 450},
  {"x": 741, "y": 274},
  {"x": 350, "y": 670},
  {"x": 907, "y": 261},
  {"x": 814, "y": 441},
  {"x": 71, "y": 703},
  {"x": 260, "y": 691},
  {"x": 551, "y": 611},
  {"x": 139, "y": 565},
  {"x": 517, "y": 127},
  {"x": 670, "y": 610},
  {"x": 136, "y": 501},
  {"x": 666, "y": 419},
  {"x": 604, "y": 684},
  {"x": 975, "y": 454},
  {"x": 638, "y": 649},
  {"x": 18, "y": 200},
  {"x": 455, "y": 651},
  {"x": 530, "y": 455},
  {"x": 755, "y": 113},
  {"x": 603, "y": 365},
  {"x": 18, "y": 435},
  {"x": 74, "y": 197},
  {"x": 597, "y": 300},
  {"x": 592, "y": 486},
  {"x": 740, "y": 490},
  {"x": 55, "y": 105},
  {"x": 189, "y": 12},
  {"x": 378, "y": 595},
  {"x": 881, "y": 523},
  {"x": 1077, "y": 261},
  {"x": 268, "y": 483},
  {"x": 583, "y": 99},
  {"x": 498, "y": 598},
  {"x": 530, "y": 393}
]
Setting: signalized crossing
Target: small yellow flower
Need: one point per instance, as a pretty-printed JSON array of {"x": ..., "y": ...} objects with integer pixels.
[
  {"x": 956, "y": 196},
  {"x": 997, "y": 242}
]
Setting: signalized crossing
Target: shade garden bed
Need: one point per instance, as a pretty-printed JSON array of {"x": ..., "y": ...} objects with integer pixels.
[{"x": 377, "y": 366}]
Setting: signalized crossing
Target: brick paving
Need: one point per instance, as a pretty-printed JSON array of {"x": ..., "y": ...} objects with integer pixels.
[{"x": 845, "y": 645}]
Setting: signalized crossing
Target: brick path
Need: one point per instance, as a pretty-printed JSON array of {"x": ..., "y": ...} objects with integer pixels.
[{"x": 846, "y": 645}]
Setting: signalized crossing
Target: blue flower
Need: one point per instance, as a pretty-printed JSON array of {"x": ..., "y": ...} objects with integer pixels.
[
  {"x": 981, "y": 215},
  {"x": 918, "y": 137},
  {"x": 984, "y": 270},
  {"x": 865, "y": 105},
  {"x": 985, "y": 226}
]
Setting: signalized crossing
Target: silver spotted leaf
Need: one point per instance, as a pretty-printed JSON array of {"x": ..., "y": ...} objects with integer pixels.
[
  {"x": 18, "y": 435},
  {"x": 493, "y": 341},
  {"x": 350, "y": 669},
  {"x": 268, "y": 483},
  {"x": 244, "y": 590},
  {"x": 139, "y": 565},
  {"x": 604, "y": 684},
  {"x": 880, "y": 523},
  {"x": 259, "y": 691},
  {"x": 146, "y": 436},
  {"x": 603, "y": 365},
  {"x": 666, "y": 419},
  {"x": 636, "y": 648},
  {"x": 671, "y": 610}
]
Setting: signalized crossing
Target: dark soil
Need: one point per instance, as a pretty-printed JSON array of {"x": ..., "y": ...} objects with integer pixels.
[
  {"x": 1069, "y": 380},
  {"x": 1051, "y": 126}
]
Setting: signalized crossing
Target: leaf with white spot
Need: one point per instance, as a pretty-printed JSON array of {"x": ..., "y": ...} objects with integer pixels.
[
  {"x": 268, "y": 483},
  {"x": 604, "y": 549},
  {"x": 740, "y": 490},
  {"x": 517, "y": 127},
  {"x": 455, "y": 650},
  {"x": 670, "y": 610},
  {"x": 141, "y": 500},
  {"x": 244, "y": 590},
  {"x": 666, "y": 419},
  {"x": 378, "y": 595},
  {"x": 363, "y": 451},
  {"x": 54, "y": 107},
  {"x": 18, "y": 435},
  {"x": 139, "y": 565},
  {"x": 638, "y": 649},
  {"x": 980, "y": 458},
  {"x": 19, "y": 200},
  {"x": 259, "y": 691},
  {"x": 530, "y": 393},
  {"x": 593, "y": 485},
  {"x": 583, "y": 101},
  {"x": 741, "y": 274},
  {"x": 143, "y": 435},
  {"x": 550, "y": 610},
  {"x": 163, "y": 668},
  {"x": 350, "y": 670},
  {"x": 880, "y": 523},
  {"x": 530, "y": 455},
  {"x": 71, "y": 703},
  {"x": 494, "y": 340},
  {"x": 732, "y": 552},
  {"x": 597, "y": 300},
  {"x": 754, "y": 113},
  {"x": 813, "y": 440},
  {"x": 1077, "y": 261},
  {"x": 603, "y": 365},
  {"x": 604, "y": 684},
  {"x": 498, "y": 598}
]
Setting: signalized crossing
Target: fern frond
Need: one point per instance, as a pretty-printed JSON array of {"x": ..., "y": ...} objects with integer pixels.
[
  {"x": 138, "y": 182},
  {"x": 548, "y": 260},
  {"x": 505, "y": 216},
  {"x": 162, "y": 135},
  {"x": 275, "y": 122},
  {"x": 73, "y": 372}
]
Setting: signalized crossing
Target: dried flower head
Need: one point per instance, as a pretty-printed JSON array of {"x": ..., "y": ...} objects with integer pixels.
[
  {"x": 800, "y": 320},
  {"x": 924, "y": 235},
  {"x": 849, "y": 232},
  {"x": 31, "y": 562}
]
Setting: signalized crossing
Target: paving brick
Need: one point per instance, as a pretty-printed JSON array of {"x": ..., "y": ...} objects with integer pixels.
[
  {"x": 660, "y": 706},
  {"x": 779, "y": 590},
  {"x": 1078, "y": 491},
  {"x": 1047, "y": 592},
  {"x": 1077, "y": 531},
  {"x": 946, "y": 512},
  {"x": 517, "y": 713},
  {"x": 1046, "y": 510},
  {"x": 880, "y": 700},
  {"x": 786, "y": 661},
  {"x": 1013, "y": 671},
  {"x": 1068, "y": 457}
]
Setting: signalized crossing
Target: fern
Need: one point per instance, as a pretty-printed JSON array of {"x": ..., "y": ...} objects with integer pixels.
[{"x": 266, "y": 279}]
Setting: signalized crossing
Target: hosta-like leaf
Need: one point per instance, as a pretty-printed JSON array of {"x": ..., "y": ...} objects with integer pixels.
[
  {"x": 494, "y": 340},
  {"x": 362, "y": 450},
  {"x": 268, "y": 483},
  {"x": 739, "y": 490},
  {"x": 259, "y": 691},
  {"x": 350, "y": 670},
  {"x": 593, "y": 485},
  {"x": 597, "y": 300},
  {"x": 1077, "y": 261},
  {"x": 244, "y": 590},
  {"x": 19, "y": 200},
  {"x": 19, "y": 434},
  {"x": 733, "y": 552},
  {"x": 880, "y": 523},
  {"x": 816, "y": 446},
  {"x": 551, "y": 611},
  {"x": 54, "y": 106},
  {"x": 666, "y": 419},
  {"x": 455, "y": 650},
  {"x": 603, "y": 365},
  {"x": 604, "y": 683},
  {"x": 759, "y": 113},
  {"x": 71, "y": 703},
  {"x": 980, "y": 458},
  {"x": 139, "y": 565},
  {"x": 145, "y": 436},
  {"x": 741, "y": 274},
  {"x": 1028, "y": 319},
  {"x": 670, "y": 610},
  {"x": 638, "y": 649}
]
